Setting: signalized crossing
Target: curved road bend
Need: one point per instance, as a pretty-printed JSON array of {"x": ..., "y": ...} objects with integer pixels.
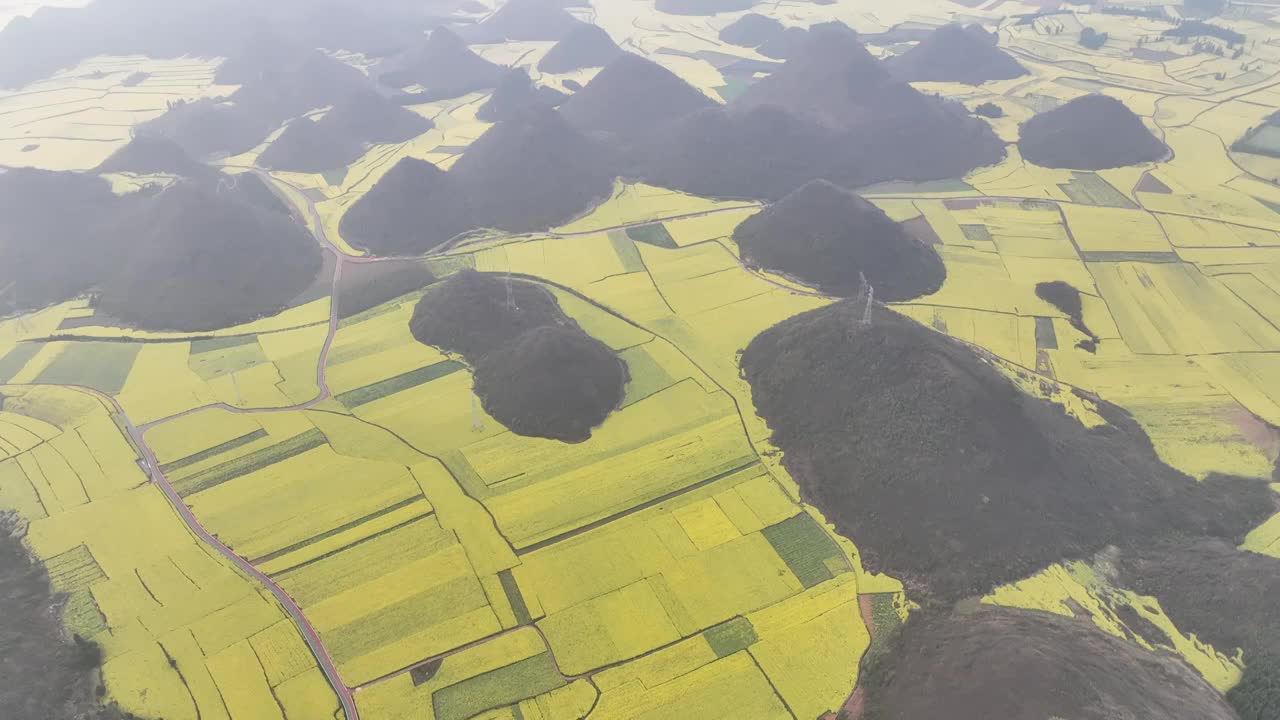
[{"x": 152, "y": 468}]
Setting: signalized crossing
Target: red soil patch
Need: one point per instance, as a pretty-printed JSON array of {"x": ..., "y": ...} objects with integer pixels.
[{"x": 1258, "y": 432}]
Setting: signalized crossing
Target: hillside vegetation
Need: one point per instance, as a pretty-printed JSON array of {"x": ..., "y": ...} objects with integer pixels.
[
  {"x": 582, "y": 47},
  {"x": 341, "y": 136},
  {"x": 399, "y": 214},
  {"x": 832, "y": 112},
  {"x": 524, "y": 20},
  {"x": 955, "y": 53},
  {"x": 949, "y": 477},
  {"x": 536, "y": 371},
  {"x": 199, "y": 259},
  {"x": 444, "y": 66},
  {"x": 631, "y": 96},
  {"x": 193, "y": 256},
  {"x": 43, "y": 673},
  {"x": 831, "y": 238},
  {"x": 516, "y": 95},
  {"x": 768, "y": 36},
  {"x": 1092, "y": 132},
  {"x": 528, "y": 173},
  {"x": 148, "y": 153},
  {"x": 1029, "y": 665},
  {"x": 1226, "y": 597},
  {"x": 272, "y": 95}
]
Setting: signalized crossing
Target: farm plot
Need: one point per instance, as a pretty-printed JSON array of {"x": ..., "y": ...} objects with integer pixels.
[
  {"x": 1194, "y": 232},
  {"x": 293, "y": 493},
  {"x": 511, "y": 670},
  {"x": 77, "y": 118},
  {"x": 174, "y": 620},
  {"x": 1195, "y": 418},
  {"x": 1114, "y": 230},
  {"x": 572, "y": 261},
  {"x": 1029, "y": 230},
  {"x": 633, "y": 204},
  {"x": 1173, "y": 308},
  {"x": 676, "y": 438}
]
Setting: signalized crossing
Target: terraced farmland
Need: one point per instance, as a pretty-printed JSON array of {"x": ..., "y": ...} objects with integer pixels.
[{"x": 385, "y": 501}]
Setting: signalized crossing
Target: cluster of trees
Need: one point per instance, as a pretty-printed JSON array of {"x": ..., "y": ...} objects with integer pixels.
[
  {"x": 1151, "y": 13},
  {"x": 536, "y": 370},
  {"x": 1197, "y": 28},
  {"x": 1257, "y": 695},
  {"x": 1092, "y": 39},
  {"x": 989, "y": 110}
]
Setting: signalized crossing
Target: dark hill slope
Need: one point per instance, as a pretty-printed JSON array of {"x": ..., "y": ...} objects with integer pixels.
[
  {"x": 533, "y": 173},
  {"x": 516, "y": 95},
  {"x": 751, "y": 30},
  {"x": 1017, "y": 664},
  {"x": 835, "y": 114},
  {"x": 339, "y": 137},
  {"x": 768, "y": 36},
  {"x": 632, "y": 96},
  {"x": 786, "y": 44},
  {"x": 828, "y": 237},
  {"x": 555, "y": 382},
  {"x": 48, "y": 254},
  {"x": 46, "y": 674},
  {"x": 149, "y": 153},
  {"x": 584, "y": 46},
  {"x": 945, "y": 474},
  {"x": 197, "y": 255},
  {"x": 400, "y": 213},
  {"x": 702, "y": 7},
  {"x": 469, "y": 313},
  {"x": 251, "y": 190},
  {"x": 536, "y": 371},
  {"x": 764, "y": 152},
  {"x": 955, "y": 53},
  {"x": 1227, "y": 597},
  {"x": 832, "y": 79},
  {"x": 522, "y": 175},
  {"x": 270, "y": 98},
  {"x": 200, "y": 259},
  {"x": 310, "y": 146},
  {"x": 1223, "y": 595},
  {"x": 263, "y": 49},
  {"x": 212, "y": 126},
  {"x": 372, "y": 118},
  {"x": 445, "y": 66},
  {"x": 1092, "y": 132},
  {"x": 520, "y": 20}
]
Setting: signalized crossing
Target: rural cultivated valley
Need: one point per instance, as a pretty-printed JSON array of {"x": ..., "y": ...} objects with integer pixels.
[{"x": 639, "y": 360}]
